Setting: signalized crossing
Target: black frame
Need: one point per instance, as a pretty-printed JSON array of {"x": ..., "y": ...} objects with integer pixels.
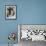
[{"x": 5, "y": 12}]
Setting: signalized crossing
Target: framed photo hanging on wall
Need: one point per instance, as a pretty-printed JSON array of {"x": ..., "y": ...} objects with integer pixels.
[{"x": 10, "y": 12}]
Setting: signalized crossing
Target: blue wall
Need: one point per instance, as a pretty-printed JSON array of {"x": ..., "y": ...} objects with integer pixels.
[{"x": 28, "y": 12}]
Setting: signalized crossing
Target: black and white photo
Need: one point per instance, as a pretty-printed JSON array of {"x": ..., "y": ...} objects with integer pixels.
[{"x": 10, "y": 11}]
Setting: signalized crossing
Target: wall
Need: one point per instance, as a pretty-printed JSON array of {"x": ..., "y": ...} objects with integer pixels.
[{"x": 28, "y": 12}]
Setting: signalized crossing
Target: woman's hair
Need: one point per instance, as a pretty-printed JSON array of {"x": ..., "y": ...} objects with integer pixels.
[{"x": 9, "y": 11}]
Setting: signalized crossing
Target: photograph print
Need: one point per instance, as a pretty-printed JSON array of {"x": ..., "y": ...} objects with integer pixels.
[{"x": 10, "y": 12}]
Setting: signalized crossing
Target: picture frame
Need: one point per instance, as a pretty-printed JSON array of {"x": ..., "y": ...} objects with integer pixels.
[
  {"x": 37, "y": 29},
  {"x": 10, "y": 12}
]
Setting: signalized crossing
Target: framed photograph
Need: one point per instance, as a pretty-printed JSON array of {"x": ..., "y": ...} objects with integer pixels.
[
  {"x": 33, "y": 32},
  {"x": 10, "y": 12}
]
